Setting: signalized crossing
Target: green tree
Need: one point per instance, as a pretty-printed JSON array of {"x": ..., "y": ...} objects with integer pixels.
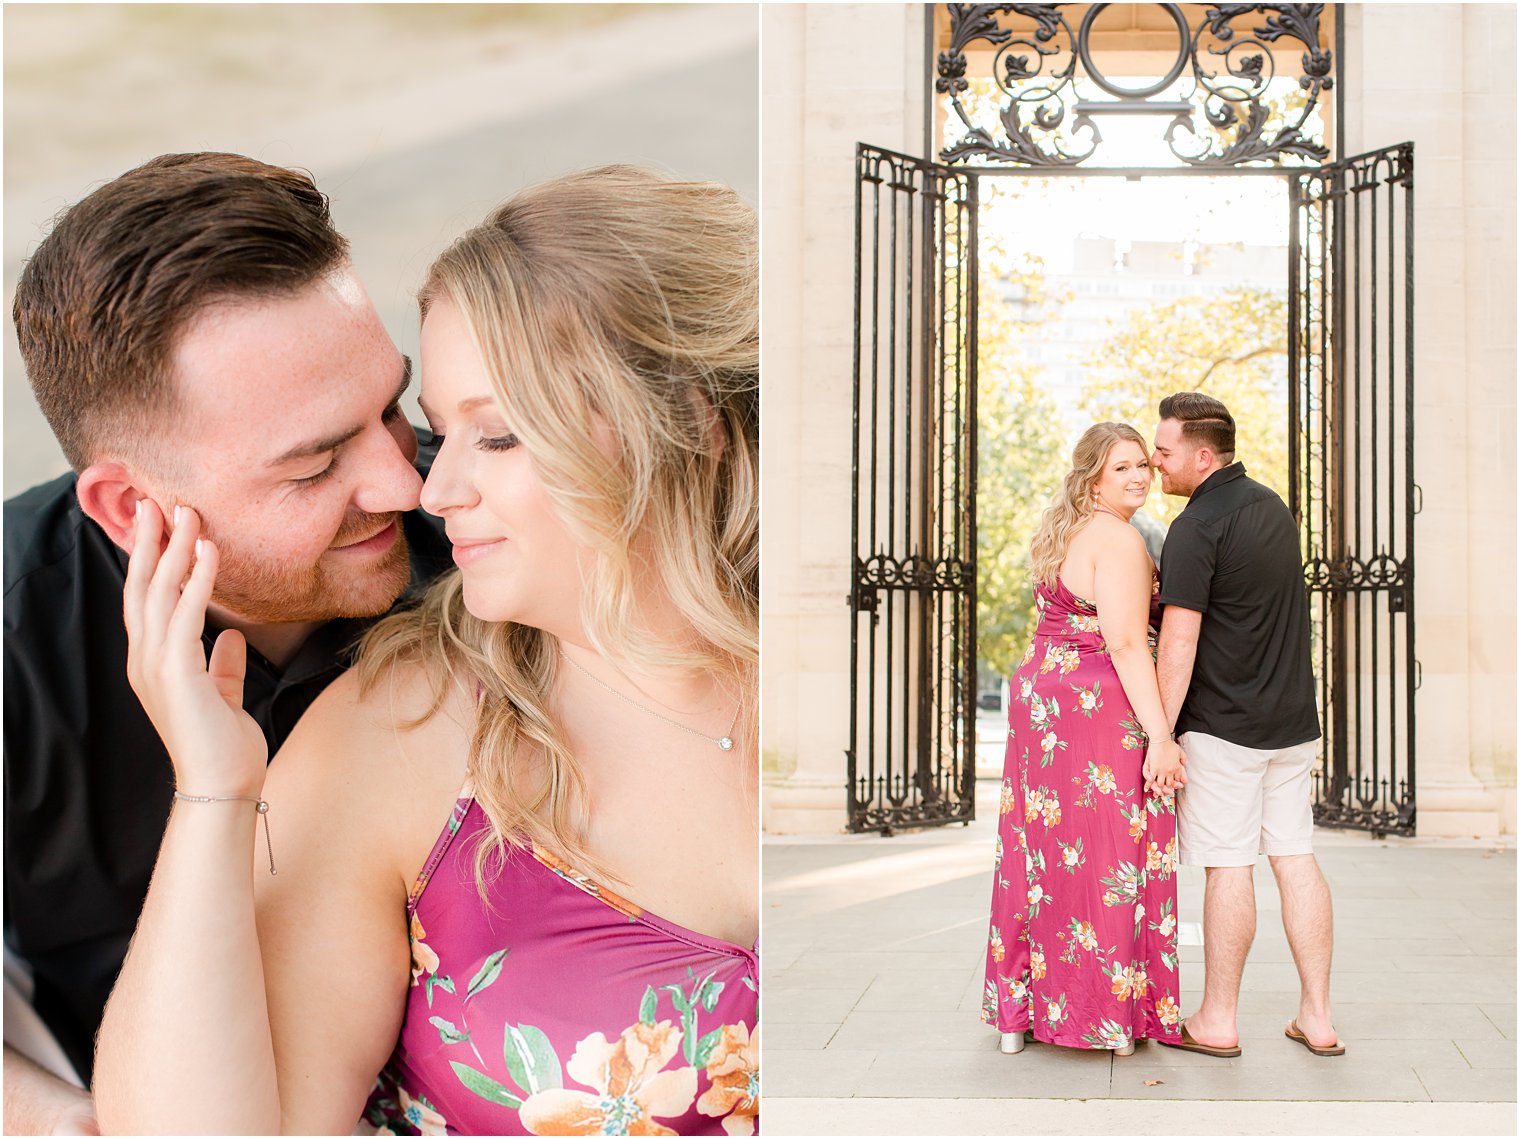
[
  {"x": 1021, "y": 437},
  {"x": 1232, "y": 346}
]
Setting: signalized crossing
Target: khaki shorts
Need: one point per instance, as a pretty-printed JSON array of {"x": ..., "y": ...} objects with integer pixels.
[{"x": 1239, "y": 802}]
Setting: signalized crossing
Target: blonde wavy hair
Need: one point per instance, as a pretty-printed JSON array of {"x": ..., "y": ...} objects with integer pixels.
[
  {"x": 621, "y": 297},
  {"x": 1071, "y": 507}
]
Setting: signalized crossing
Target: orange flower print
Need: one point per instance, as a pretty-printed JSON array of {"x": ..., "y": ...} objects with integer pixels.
[
  {"x": 1008, "y": 799},
  {"x": 1085, "y": 935},
  {"x": 1103, "y": 780},
  {"x": 631, "y": 1087},
  {"x": 996, "y": 943},
  {"x": 424, "y": 960},
  {"x": 1136, "y": 817},
  {"x": 1037, "y": 964},
  {"x": 1051, "y": 810},
  {"x": 1053, "y": 656},
  {"x": 1018, "y": 991},
  {"x": 1055, "y": 1011},
  {"x": 1169, "y": 857},
  {"x": 734, "y": 1069},
  {"x": 1034, "y": 804},
  {"x": 1071, "y": 659},
  {"x": 1026, "y": 687},
  {"x": 1121, "y": 983},
  {"x": 1153, "y": 857},
  {"x": 1168, "y": 1012},
  {"x": 1028, "y": 655}
]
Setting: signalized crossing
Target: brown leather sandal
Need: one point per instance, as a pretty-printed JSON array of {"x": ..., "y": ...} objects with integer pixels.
[
  {"x": 1188, "y": 1044},
  {"x": 1293, "y": 1032}
]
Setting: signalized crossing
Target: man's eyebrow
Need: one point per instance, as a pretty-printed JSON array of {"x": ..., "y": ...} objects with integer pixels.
[{"x": 315, "y": 447}]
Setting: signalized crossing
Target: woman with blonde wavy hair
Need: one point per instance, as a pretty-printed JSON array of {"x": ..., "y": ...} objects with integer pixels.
[
  {"x": 1082, "y": 950},
  {"x": 517, "y": 890}
]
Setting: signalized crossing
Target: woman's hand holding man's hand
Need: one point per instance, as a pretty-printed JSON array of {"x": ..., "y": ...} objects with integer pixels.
[
  {"x": 1164, "y": 767},
  {"x": 217, "y": 748}
]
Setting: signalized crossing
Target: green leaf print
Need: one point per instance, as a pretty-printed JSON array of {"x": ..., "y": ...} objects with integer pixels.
[
  {"x": 706, "y": 1045},
  {"x": 689, "y": 1035},
  {"x": 447, "y": 1032},
  {"x": 677, "y": 997},
  {"x": 530, "y": 1059},
  {"x": 710, "y": 992},
  {"x": 436, "y": 980},
  {"x": 649, "y": 1005},
  {"x": 484, "y": 1086},
  {"x": 488, "y": 973}
]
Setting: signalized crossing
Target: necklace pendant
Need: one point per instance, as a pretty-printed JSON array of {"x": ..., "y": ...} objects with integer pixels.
[{"x": 725, "y": 743}]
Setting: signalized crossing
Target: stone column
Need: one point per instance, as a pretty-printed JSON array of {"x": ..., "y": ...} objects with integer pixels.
[
  {"x": 1442, "y": 76},
  {"x": 834, "y": 75}
]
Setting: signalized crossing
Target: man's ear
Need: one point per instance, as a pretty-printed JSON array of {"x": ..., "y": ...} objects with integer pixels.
[{"x": 108, "y": 494}]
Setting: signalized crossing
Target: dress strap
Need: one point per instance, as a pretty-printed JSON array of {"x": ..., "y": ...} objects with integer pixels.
[{"x": 441, "y": 847}]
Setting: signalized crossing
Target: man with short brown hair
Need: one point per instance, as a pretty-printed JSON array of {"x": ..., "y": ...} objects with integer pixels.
[
  {"x": 1236, "y": 680},
  {"x": 196, "y": 335}
]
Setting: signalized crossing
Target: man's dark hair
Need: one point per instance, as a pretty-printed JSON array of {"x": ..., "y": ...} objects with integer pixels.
[
  {"x": 1206, "y": 422},
  {"x": 100, "y": 303}
]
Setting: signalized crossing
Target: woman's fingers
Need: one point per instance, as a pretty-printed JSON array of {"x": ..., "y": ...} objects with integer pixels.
[
  {"x": 188, "y": 620},
  {"x": 143, "y": 560},
  {"x": 228, "y": 666},
  {"x": 164, "y": 589}
]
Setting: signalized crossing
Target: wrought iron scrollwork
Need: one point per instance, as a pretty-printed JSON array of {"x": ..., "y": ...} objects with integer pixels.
[{"x": 1228, "y": 57}]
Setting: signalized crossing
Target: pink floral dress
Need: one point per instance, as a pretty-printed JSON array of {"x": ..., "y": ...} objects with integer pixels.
[
  {"x": 558, "y": 1008},
  {"x": 1083, "y": 944}
]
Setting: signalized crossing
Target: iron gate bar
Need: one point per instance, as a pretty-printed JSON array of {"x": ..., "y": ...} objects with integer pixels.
[
  {"x": 913, "y": 576},
  {"x": 1359, "y": 564}
]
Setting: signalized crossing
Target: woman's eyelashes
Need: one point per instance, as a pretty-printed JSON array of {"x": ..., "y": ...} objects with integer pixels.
[{"x": 503, "y": 442}]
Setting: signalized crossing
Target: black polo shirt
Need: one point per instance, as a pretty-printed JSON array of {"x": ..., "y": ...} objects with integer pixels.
[
  {"x": 1232, "y": 555},
  {"x": 88, "y": 784}
]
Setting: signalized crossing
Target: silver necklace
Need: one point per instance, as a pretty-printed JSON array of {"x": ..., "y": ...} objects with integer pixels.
[{"x": 724, "y": 742}]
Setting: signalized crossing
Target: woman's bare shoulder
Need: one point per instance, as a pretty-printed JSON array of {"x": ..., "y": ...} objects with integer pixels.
[{"x": 403, "y": 733}]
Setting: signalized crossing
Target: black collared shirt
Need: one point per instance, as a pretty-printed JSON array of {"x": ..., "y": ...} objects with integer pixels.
[
  {"x": 1232, "y": 555},
  {"x": 88, "y": 784}
]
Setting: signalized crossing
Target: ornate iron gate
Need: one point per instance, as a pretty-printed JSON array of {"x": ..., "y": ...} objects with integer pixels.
[
  {"x": 911, "y": 758},
  {"x": 1351, "y": 353}
]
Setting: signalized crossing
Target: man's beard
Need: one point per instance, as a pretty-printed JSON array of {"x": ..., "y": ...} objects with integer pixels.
[{"x": 264, "y": 591}]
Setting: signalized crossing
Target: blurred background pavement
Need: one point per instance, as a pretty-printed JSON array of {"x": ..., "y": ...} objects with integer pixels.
[{"x": 415, "y": 119}]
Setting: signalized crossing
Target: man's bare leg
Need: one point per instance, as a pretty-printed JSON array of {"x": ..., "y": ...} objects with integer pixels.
[
  {"x": 1308, "y": 922},
  {"x": 1229, "y": 927}
]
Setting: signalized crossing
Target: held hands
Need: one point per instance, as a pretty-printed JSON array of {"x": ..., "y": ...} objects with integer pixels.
[
  {"x": 1163, "y": 767},
  {"x": 216, "y": 747}
]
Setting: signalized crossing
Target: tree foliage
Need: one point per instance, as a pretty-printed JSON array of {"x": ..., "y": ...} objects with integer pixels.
[
  {"x": 1232, "y": 346},
  {"x": 1019, "y": 453}
]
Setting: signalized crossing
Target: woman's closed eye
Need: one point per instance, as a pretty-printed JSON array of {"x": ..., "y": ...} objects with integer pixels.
[{"x": 486, "y": 442}]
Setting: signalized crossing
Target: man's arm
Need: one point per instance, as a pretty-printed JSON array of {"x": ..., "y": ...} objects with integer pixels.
[
  {"x": 1174, "y": 657},
  {"x": 39, "y": 1103}
]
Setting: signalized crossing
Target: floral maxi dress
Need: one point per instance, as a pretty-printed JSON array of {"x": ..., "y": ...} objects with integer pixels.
[{"x": 1082, "y": 950}]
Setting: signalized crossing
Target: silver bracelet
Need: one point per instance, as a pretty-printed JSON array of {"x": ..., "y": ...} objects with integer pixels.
[{"x": 263, "y": 808}]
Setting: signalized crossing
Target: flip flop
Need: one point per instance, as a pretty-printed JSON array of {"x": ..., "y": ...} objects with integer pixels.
[
  {"x": 1188, "y": 1044},
  {"x": 1293, "y": 1032}
]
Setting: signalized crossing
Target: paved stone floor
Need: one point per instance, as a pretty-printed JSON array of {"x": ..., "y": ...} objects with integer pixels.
[{"x": 873, "y": 981}]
